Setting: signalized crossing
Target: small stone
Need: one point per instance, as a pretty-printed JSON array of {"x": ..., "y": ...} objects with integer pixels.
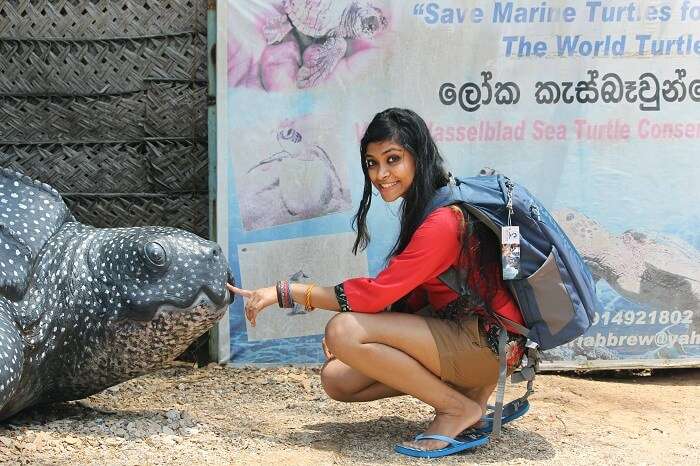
[
  {"x": 114, "y": 441},
  {"x": 71, "y": 440},
  {"x": 152, "y": 428},
  {"x": 173, "y": 415},
  {"x": 118, "y": 431}
]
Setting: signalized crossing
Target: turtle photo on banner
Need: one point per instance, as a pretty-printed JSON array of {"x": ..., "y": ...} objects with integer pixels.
[
  {"x": 301, "y": 44},
  {"x": 593, "y": 106},
  {"x": 293, "y": 174}
]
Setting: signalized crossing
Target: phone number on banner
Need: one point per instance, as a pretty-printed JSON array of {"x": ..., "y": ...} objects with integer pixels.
[{"x": 643, "y": 317}]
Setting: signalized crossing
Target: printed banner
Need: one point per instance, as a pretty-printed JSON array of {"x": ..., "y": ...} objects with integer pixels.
[{"x": 594, "y": 106}]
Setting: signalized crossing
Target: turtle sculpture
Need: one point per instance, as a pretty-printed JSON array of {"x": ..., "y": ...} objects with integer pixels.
[
  {"x": 327, "y": 25},
  {"x": 85, "y": 308}
]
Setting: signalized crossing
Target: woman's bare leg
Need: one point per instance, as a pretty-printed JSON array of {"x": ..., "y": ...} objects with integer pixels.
[
  {"x": 480, "y": 395},
  {"x": 398, "y": 350},
  {"x": 343, "y": 383}
]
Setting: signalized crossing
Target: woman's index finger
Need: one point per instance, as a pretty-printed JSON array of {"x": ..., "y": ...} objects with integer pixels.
[{"x": 240, "y": 291}]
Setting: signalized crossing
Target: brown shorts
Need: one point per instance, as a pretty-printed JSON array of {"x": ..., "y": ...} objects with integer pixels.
[{"x": 465, "y": 359}]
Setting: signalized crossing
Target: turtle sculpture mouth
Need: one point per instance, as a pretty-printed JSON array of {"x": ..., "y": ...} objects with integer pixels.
[
  {"x": 203, "y": 300},
  {"x": 206, "y": 298}
]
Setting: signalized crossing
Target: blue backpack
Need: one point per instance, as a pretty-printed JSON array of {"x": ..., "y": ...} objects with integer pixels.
[{"x": 554, "y": 288}]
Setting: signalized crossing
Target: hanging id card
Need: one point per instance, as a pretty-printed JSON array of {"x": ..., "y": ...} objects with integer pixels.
[{"x": 510, "y": 252}]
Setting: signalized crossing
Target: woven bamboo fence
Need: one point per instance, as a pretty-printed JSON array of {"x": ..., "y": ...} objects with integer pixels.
[{"x": 106, "y": 101}]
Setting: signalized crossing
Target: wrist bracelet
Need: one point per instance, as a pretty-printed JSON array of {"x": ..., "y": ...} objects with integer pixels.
[
  {"x": 307, "y": 302},
  {"x": 284, "y": 294},
  {"x": 279, "y": 294}
]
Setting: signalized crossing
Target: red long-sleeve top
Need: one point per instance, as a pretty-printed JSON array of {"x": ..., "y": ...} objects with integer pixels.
[{"x": 434, "y": 247}]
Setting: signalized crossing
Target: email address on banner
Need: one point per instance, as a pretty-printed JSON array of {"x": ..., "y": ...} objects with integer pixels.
[{"x": 611, "y": 339}]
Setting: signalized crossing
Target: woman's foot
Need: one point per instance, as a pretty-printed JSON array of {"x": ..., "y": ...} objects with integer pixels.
[{"x": 449, "y": 423}]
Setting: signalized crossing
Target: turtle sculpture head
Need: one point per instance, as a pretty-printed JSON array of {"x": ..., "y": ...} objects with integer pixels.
[{"x": 85, "y": 308}]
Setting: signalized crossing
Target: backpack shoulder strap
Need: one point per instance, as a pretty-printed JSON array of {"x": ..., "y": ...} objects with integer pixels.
[{"x": 444, "y": 196}]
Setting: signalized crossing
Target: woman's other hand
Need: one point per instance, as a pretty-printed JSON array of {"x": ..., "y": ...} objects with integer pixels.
[{"x": 256, "y": 300}]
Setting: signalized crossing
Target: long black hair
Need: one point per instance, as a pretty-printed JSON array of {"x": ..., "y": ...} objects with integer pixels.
[{"x": 408, "y": 129}]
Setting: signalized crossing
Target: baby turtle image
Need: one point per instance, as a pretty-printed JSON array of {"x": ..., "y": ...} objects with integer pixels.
[
  {"x": 326, "y": 25},
  {"x": 84, "y": 308},
  {"x": 300, "y": 181}
]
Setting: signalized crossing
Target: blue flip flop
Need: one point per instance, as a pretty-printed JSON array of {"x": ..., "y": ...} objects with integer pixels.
[
  {"x": 511, "y": 412},
  {"x": 460, "y": 443}
]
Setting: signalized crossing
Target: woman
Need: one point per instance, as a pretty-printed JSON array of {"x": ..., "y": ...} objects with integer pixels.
[{"x": 448, "y": 358}]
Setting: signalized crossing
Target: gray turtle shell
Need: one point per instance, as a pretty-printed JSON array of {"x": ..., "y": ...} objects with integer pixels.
[{"x": 31, "y": 212}]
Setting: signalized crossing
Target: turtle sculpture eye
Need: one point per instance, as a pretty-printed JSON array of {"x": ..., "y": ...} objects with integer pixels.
[{"x": 155, "y": 253}]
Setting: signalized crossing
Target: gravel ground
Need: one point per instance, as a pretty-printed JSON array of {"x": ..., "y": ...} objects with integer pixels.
[{"x": 227, "y": 415}]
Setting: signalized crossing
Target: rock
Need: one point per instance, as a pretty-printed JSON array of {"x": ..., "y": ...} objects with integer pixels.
[
  {"x": 152, "y": 428},
  {"x": 114, "y": 441},
  {"x": 119, "y": 432},
  {"x": 41, "y": 440},
  {"x": 72, "y": 440}
]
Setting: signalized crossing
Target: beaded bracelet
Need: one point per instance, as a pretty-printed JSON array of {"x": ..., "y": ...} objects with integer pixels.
[{"x": 284, "y": 294}]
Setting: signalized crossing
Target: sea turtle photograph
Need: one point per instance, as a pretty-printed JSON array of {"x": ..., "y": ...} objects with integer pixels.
[
  {"x": 300, "y": 180},
  {"x": 327, "y": 26},
  {"x": 300, "y": 44}
]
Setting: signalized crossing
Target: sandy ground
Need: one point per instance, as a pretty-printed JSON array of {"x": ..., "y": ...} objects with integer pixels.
[{"x": 226, "y": 415}]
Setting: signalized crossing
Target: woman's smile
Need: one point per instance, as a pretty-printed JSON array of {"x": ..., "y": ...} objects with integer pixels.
[{"x": 388, "y": 185}]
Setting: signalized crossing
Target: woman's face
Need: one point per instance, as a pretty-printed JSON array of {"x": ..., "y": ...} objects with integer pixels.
[{"x": 391, "y": 169}]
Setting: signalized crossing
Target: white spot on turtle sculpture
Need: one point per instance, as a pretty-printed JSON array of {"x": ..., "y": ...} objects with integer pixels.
[
  {"x": 84, "y": 308},
  {"x": 329, "y": 24}
]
